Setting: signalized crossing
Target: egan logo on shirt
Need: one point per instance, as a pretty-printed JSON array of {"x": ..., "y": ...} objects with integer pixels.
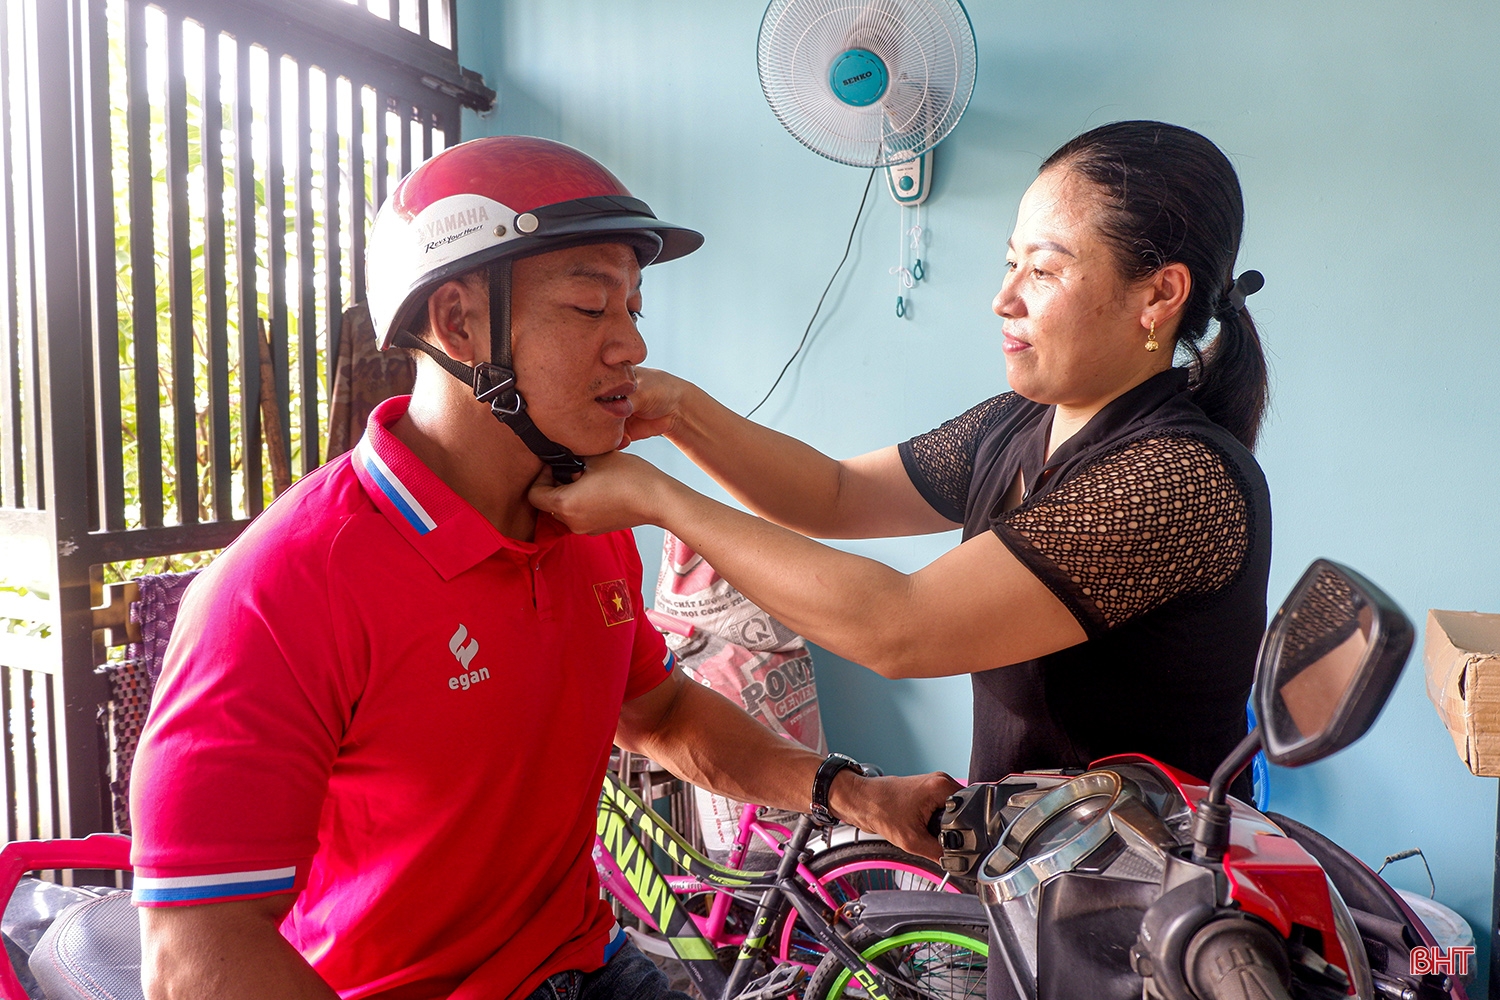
[{"x": 464, "y": 652}]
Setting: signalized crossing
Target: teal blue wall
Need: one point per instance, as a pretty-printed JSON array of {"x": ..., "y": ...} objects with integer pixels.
[{"x": 1366, "y": 140}]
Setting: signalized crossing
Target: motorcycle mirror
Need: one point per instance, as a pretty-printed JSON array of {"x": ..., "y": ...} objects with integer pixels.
[{"x": 1327, "y": 664}]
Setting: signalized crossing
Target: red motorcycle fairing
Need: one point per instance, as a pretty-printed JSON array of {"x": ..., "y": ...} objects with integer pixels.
[
  {"x": 1270, "y": 875},
  {"x": 96, "y": 851}
]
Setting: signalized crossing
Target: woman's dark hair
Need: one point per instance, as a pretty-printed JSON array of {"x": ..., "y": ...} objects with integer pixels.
[{"x": 1171, "y": 196}]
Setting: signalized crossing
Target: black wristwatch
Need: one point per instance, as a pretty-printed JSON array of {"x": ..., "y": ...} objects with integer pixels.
[{"x": 831, "y": 766}]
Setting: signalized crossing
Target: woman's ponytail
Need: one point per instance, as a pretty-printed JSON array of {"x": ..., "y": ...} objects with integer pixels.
[
  {"x": 1231, "y": 382},
  {"x": 1170, "y": 195}
]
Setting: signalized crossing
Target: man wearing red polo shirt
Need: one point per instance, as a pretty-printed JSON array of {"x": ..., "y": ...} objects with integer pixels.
[{"x": 374, "y": 758}]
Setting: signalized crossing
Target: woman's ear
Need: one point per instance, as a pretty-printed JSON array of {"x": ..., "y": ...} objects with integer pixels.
[
  {"x": 1167, "y": 293},
  {"x": 448, "y": 309}
]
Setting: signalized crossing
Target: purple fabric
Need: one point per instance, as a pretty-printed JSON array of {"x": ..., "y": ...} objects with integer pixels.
[
  {"x": 133, "y": 679},
  {"x": 156, "y": 612}
]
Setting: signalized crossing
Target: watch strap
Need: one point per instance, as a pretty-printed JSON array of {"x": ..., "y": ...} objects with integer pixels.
[{"x": 823, "y": 782}]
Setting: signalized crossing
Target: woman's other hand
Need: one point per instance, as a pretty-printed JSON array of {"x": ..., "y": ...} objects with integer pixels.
[
  {"x": 617, "y": 491},
  {"x": 658, "y": 404}
]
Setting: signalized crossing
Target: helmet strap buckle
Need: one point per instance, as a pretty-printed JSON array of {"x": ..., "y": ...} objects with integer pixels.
[
  {"x": 506, "y": 406},
  {"x": 496, "y": 385}
]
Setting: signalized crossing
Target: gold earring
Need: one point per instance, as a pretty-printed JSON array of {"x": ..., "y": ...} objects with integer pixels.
[{"x": 1151, "y": 344}]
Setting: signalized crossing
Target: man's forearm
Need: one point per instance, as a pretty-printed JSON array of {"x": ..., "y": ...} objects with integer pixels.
[
  {"x": 709, "y": 741},
  {"x": 712, "y": 743},
  {"x": 704, "y": 738}
]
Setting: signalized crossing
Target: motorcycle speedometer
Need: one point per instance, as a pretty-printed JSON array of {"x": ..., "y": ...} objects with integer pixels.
[{"x": 1051, "y": 835}]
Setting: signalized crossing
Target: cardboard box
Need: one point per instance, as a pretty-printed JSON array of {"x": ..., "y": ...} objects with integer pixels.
[{"x": 1463, "y": 681}]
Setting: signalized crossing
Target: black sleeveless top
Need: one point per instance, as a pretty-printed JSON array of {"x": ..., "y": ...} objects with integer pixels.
[{"x": 1152, "y": 525}]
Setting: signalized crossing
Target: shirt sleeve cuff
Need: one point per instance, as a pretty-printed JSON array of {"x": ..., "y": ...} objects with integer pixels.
[
  {"x": 636, "y": 688},
  {"x": 150, "y": 889},
  {"x": 938, "y": 503},
  {"x": 1079, "y": 605}
]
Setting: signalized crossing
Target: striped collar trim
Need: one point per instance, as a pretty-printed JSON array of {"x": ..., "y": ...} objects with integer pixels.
[
  {"x": 448, "y": 532},
  {"x": 407, "y": 505}
]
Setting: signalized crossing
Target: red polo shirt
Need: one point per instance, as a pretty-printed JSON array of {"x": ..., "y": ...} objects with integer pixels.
[{"x": 376, "y": 700}]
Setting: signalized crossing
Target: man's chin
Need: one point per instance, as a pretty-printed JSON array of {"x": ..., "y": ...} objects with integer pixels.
[
  {"x": 611, "y": 440},
  {"x": 593, "y": 442}
]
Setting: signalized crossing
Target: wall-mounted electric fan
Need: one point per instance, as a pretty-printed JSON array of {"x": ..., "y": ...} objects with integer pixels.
[{"x": 870, "y": 83}]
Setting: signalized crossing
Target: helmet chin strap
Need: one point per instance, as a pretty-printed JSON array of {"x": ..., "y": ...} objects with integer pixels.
[{"x": 494, "y": 381}]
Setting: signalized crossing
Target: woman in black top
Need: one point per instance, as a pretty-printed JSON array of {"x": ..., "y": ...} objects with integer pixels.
[{"x": 1110, "y": 591}]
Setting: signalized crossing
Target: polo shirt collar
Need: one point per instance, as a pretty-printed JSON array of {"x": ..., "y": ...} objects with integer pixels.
[{"x": 437, "y": 522}]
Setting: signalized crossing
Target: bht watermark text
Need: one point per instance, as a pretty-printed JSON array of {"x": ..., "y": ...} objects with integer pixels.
[{"x": 1433, "y": 960}]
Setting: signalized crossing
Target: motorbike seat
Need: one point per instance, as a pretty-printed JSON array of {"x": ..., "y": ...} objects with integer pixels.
[{"x": 92, "y": 951}]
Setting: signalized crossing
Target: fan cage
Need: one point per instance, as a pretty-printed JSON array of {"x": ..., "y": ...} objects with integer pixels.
[{"x": 926, "y": 45}]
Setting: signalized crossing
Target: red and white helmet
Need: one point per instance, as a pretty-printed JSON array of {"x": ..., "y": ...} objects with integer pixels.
[{"x": 499, "y": 197}]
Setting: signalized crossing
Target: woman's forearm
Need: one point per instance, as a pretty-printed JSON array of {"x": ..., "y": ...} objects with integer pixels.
[
  {"x": 775, "y": 475},
  {"x": 989, "y": 607},
  {"x": 853, "y": 606}
]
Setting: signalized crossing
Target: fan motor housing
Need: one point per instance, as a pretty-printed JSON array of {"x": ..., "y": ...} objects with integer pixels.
[{"x": 858, "y": 77}]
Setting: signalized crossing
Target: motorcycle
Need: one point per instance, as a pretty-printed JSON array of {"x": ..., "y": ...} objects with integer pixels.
[
  {"x": 1129, "y": 880},
  {"x": 1136, "y": 880}
]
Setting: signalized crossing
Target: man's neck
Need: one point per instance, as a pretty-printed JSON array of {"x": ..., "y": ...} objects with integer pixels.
[{"x": 480, "y": 460}]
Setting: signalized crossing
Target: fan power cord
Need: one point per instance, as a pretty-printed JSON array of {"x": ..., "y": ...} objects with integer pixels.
[{"x": 818, "y": 308}]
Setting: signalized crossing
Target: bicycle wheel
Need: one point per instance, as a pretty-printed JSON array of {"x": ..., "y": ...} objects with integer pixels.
[
  {"x": 847, "y": 872},
  {"x": 927, "y": 963}
]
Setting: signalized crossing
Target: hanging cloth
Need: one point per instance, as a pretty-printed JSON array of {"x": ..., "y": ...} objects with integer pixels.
[
  {"x": 132, "y": 681},
  {"x": 364, "y": 378}
]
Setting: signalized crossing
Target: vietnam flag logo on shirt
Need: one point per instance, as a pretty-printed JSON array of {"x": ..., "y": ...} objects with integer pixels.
[{"x": 614, "y": 601}]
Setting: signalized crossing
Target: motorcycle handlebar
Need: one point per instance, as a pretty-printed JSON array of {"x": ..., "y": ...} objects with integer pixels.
[{"x": 1238, "y": 959}]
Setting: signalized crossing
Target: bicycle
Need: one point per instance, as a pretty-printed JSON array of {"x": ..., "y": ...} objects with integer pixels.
[
  {"x": 770, "y": 927},
  {"x": 934, "y": 962}
]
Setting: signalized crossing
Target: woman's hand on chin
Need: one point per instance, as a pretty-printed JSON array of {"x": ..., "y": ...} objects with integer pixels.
[
  {"x": 617, "y": 491},
  {"x": 658, "y": 405}
]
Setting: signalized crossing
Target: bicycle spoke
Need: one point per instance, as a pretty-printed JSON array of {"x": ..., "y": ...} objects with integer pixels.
[{"x": 929, "y": 971}]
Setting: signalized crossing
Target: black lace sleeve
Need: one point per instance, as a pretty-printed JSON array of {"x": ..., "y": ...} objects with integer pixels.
[
  {"x": 1161, "y": 518},
  {"x": 941, "y": 462}
]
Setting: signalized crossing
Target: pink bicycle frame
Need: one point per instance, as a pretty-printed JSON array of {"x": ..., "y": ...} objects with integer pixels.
[
  {"x": 712, "y": 925},
  {"x": 101, "y": 850}
]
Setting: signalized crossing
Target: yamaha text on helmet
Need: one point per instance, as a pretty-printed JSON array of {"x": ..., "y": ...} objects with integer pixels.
[{"x": 487, "y": 202}]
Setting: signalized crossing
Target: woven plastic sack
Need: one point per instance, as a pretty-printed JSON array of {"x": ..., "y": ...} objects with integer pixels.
[{"x": 728, "y": 644}]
